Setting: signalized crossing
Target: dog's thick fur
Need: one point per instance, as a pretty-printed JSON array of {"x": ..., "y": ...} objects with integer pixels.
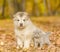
[
  {"x": 23, "y": 33},
  {"x": 24, "y": 30}
]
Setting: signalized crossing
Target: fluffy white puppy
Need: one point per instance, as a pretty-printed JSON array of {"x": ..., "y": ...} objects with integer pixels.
[{"x": 23, "y": 29}]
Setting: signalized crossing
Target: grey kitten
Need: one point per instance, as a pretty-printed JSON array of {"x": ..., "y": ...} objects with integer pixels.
[{"x": 41, "y": 38}]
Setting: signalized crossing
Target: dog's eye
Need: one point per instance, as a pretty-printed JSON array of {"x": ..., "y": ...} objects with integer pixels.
[
  {"x": 17, "y": 20},
  {"x": 23, "y": 19}
]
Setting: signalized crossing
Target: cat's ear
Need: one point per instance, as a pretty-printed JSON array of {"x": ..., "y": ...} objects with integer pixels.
[{"x": 49, "y": 33}]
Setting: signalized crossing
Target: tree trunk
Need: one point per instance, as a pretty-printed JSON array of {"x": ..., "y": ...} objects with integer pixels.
[
  {"x": 11, "y": 7},
  {"x": 45, "y": 4},
  {"x": 22, "y": 5},
  {"x": 19, "y": 6},
  {"x": 49, "y": 7},
  {"x": 3, "y": 8},
  {"x": 15, "y": 5},
  {"x": 35, "y": 11}
]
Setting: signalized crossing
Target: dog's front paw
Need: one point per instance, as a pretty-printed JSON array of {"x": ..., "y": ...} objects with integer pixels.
[
  {"x": 25, "y": 49},
  {"x": 19, "y": 44},
  {"x": 19, "y": 47}
]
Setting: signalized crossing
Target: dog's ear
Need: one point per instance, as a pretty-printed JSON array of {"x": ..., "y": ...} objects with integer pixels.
[
  {"x": 11, "y": 16},
  {"x": 28, "y": 16},
  {"x": 14, "y": 16}
]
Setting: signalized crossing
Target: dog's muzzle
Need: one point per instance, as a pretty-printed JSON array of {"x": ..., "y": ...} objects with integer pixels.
[{"x": 21, "y": 25}]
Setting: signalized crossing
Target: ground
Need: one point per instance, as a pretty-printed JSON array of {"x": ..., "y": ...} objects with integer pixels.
[{"x": 51, "y": 24}]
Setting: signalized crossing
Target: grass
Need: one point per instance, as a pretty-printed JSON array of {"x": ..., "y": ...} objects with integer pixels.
[{"x": 51, "y": 23}]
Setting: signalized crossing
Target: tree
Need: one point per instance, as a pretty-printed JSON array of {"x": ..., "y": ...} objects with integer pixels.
[
  {"x": 22, "y": 5},
  {"x": 3, "y": 8},
  {"x": 11, "y": 7},
  {"x": 44, "y": 1},
  {"x": 35, "y": 9},
  {"x": 49, "y": 7}
]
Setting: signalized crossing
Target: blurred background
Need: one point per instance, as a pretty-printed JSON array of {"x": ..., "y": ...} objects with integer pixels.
[
  {"x": 33, "y": 7},
  {"x": 45, "y": 15}
]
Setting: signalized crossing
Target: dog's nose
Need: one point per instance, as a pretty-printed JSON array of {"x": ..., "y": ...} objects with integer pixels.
[{"x": 21, "y": 24}]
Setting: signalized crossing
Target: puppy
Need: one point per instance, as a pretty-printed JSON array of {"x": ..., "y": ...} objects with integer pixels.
[
  {"x": 41, "y": 38},
  {"x": 23, "y": 29}
]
